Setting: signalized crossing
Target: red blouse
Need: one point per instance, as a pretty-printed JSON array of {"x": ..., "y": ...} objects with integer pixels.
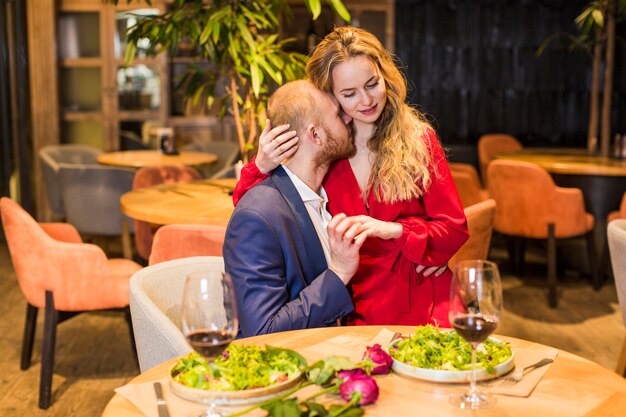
[{"x": 386, "y": 288}]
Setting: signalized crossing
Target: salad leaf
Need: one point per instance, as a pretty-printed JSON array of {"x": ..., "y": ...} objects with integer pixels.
[
  {"x": 240, "y": 368},
  {"x": 432, "y": 348}
]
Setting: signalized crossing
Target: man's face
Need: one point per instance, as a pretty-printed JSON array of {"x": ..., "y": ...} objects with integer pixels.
[{"x": 336, "y": 131}]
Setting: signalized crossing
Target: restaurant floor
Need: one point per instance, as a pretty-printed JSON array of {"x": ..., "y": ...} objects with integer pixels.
[{"x": 93, "y": 354}]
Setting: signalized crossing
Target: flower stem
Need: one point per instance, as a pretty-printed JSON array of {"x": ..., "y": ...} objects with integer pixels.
[
  {"x": 322, "y": 392},
  {"x": 280, "y": 397},
  {"x": 352, "y": 402}
]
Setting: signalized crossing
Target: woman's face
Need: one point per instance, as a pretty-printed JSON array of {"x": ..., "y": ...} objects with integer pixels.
[{"x": 360, "y": 89}]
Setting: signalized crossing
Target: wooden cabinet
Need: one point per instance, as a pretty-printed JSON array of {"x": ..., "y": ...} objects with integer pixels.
[{"x": 99, "y": 95}]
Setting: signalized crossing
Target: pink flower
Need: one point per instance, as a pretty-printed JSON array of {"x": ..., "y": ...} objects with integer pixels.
[
  {"x": 348, "y": 374},
  {"x": 376, "y": 360},
  {"x": 360, "y": 388}
]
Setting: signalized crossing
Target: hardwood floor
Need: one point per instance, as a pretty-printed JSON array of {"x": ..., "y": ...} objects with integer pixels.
[{"x": 93, "y": 354}]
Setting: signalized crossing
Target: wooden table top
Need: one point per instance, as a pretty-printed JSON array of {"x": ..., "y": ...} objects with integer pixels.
[
  {"x": 198, "y": 202},
  {"x": 151, "y": 157},
  {"x": 571, "y": 387},
  {"x": 568, "y": 161}
]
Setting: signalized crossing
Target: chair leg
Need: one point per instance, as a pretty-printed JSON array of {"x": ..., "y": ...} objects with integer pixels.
[
  {"x": 126, "y": 248},
  {"x": 47, "y": 356},
  {"x": 552, "y": 301},
  {"x": 596, "y": 276},
  {"x": 604, "y": 267},
  {"x": 621, "y": 361},
  {"x": 29, "y": 336}
]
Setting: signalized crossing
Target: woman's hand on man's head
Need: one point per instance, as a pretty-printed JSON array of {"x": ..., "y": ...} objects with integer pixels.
[{"x": 275, "y": 145}]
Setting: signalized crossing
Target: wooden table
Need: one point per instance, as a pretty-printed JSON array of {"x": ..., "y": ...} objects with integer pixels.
[
  {"x": 150, "y": 157},
  {"x": 198, "y": 202},
  {"x": 572, "y": 386}
]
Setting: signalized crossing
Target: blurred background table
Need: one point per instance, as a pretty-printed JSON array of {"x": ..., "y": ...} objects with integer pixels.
[
  {"x": 571, "y": 387},
  {"x": 150, "y": 157},
  {"x": 198, "y": 202}
]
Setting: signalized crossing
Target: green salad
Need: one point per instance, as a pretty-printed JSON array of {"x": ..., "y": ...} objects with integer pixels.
[
  {"x": 240, "y": 368},
  {"x": 432, "y": 348}
]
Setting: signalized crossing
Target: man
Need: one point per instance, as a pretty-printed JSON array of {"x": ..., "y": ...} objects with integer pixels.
[{"x": 289, "y": 261}]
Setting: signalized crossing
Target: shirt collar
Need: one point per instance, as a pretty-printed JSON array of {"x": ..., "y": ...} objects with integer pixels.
[{"x": 306, "y": 193}]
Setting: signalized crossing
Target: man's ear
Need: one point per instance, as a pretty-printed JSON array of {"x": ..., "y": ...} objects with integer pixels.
[{"x": 313, "y": 134}]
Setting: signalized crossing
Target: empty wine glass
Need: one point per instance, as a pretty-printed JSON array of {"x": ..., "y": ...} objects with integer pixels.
[
  {"x": 209, "y": 320},
  {"x": 475, "y": 309}
]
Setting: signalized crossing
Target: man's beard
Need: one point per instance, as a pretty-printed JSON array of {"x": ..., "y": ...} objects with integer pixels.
[{"x": 337, "y": 147}]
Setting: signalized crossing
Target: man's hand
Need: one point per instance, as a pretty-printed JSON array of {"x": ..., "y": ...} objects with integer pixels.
[
  {"x": 275, "y": 145},
  {"x": 428, "y": 271},
  {"x": 344, "y": 241},
  {"x": 372, "y": 227}
]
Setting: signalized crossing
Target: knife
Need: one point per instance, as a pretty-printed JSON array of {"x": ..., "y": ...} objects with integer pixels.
[{"x": 161, "y": 404}]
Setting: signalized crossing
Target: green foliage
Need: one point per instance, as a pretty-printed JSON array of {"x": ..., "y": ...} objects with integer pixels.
[{"x": 238, "y": 38}]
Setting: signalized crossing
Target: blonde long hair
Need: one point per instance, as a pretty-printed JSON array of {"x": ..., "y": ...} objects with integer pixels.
[{"x": 401, "y": 171}]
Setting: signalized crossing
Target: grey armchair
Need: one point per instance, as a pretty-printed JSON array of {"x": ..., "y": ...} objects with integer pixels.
[
  {"x": 617, "y": 245},
  {"x": 156, "y": 294},
  {"x": 227, "y": 153},
  {"x": 91, "y": 197},
  {"x": 50, "y": 159}
]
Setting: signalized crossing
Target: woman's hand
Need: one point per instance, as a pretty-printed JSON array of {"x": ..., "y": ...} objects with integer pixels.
[
  {"x": 429, "y": 270},
  {"x": 275, "y": 145},
  {"x": 371, "y": 227}
]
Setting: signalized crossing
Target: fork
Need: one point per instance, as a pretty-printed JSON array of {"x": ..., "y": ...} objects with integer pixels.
[{"x": 519, "y": 374}]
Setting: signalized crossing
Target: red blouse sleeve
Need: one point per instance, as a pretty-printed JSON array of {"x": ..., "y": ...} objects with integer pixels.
[
  {"x": 250, "y": 176},
  {"x": 431, "y": 240}
]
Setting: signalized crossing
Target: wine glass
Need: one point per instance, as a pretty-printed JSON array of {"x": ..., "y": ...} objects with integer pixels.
[
  {"x": 209, "y": 319},
  {"x": 475, "y": 309}
]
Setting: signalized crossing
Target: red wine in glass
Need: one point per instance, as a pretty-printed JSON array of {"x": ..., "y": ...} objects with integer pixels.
[
  {"x": 210, "y": 343},
  {"x": 474, "y": 329}
]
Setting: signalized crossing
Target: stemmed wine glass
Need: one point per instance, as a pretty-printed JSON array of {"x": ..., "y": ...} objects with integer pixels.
[
  {"x": 209, "y": 319},
  {"x": 475, "y": 309}
]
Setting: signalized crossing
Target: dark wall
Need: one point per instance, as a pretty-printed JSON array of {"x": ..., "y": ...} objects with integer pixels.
[{"x": 472, "y": 68}]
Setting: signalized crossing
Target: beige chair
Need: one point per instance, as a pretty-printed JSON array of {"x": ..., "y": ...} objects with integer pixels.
[
  {"x": 467, "y": 183},
  {"x": 492, "y": 144},
  {"x": 480, "y": 220},
  {"x": 156, "y": 294},
  {"x": 530, "y": 206},
  {"x": 616, "y": 231},
  {"x": 175, "y": 241}
]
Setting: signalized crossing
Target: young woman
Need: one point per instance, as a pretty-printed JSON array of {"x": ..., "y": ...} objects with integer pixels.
[{"x": 398, "y": 183}]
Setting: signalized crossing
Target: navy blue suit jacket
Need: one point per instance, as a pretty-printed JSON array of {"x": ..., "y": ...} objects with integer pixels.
[{"x": 277, "y": 264}]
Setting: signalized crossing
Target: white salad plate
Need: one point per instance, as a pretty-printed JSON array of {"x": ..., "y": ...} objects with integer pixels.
[{"x": 440, "y": 375}]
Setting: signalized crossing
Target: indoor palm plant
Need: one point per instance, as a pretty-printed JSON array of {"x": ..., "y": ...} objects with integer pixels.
[{"x": 240, "y": 40}]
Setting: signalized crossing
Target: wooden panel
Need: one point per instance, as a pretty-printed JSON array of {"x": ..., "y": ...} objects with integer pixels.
[{"x": 43, "y": 87}]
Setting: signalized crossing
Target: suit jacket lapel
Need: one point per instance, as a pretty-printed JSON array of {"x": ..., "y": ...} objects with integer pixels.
[{"x": 317, "y": 260}]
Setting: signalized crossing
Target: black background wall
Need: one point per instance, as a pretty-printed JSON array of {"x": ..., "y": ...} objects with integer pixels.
[{"x": 472, "y": 69}]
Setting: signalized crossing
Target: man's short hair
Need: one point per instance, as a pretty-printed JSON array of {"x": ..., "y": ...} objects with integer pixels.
[{"x": 294, "y": 104}]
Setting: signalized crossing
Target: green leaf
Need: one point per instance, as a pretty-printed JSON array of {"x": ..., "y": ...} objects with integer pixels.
[
  {"x": 284, "y": 408},
  {"x": 340, "y": 9},
  {"x": 323, "y": 371},
  {"x": 206, "y": 32},
  {"x": 245, "y": 34},
  {"x": 598, "y": 17},
  {"x": 354, "y": 411},
  {"x": 276, "y": 76},
  {"x": 255, "y": 77},
  {"x": 315, "y": 6},
  {"x": 315, "y": 409},
  {"x": 129, "y": 55}
]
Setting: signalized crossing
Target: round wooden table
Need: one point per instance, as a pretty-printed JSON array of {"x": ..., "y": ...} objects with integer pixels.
[
  {"x": 198, "y": 202},
  {"x": 151, "y": 157},
  {"x": 571, "y": 387}
]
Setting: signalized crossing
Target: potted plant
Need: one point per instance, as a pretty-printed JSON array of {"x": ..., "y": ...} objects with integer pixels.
[{"x": 239, "y": 38}]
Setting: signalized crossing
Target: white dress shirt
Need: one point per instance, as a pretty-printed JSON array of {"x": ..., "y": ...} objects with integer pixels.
[{"x": 316, "y": 207}]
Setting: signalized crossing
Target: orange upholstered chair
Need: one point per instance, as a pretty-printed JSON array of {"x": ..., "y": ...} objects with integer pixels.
[
  {"x": 147, "y": 177},
  {"x": 492, "y": 144},
  {"x": 467, "y": 183},
  {"x": 175, "y": 241},
  {"x": 480, "y": 219},
  {"x": 530, "y": 205},
  {"x": 618, "y": 214},
  {"x": 56, "y": 271}
]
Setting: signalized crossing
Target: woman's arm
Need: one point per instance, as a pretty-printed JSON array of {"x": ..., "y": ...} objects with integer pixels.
[{"x": 275, "y": 145}]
